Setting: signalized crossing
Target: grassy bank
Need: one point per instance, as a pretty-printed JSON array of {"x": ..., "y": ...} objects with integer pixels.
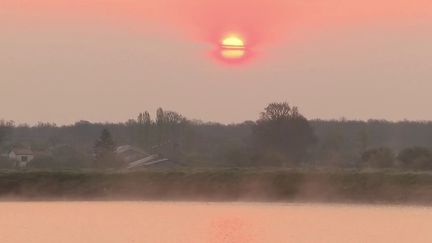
[{"x": 220, "y": 185}]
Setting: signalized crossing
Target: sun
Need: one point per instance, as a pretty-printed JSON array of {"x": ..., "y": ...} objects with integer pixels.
[
  {"x": 233, "y": 41},
  {"x": 232, "y": 48}
]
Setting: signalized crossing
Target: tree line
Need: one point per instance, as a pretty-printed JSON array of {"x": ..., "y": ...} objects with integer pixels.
[{"x": 281, "y": 136}]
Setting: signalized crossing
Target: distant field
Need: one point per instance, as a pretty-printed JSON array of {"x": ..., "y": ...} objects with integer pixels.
[{"x": 221, "y": 185}]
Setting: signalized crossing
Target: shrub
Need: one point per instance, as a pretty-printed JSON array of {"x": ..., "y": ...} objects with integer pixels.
[
  {"x": 382, "y": 157},
  {"x": 416, "y": 158},
  {"x": 43, "y": 162},
  {"x": 69, "y": 157},
  {"x": 6, "y": 163}
]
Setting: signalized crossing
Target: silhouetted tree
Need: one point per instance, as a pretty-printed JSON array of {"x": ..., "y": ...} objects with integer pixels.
[
  {"x": 340, "y": 142},
  {"x": 160, "y": 125},
  {"x": 160, "y": 117},
  {"x": 170, "y": 130},
  {"x": 140, "y": 118},
  {"x": 146, "y": 119},
  {"x": 284, "y": 130},
  {"x": 6, "y": 128},
  {"x": 104, "y": 150},
  {"x": 143, "y": 129}
]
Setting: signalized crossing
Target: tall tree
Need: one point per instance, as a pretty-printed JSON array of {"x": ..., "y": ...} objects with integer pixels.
[
  {"x": 160, "y": 125},
  {"x": 283, "y": 129},
  {"x": 144, "y": 128},
  {"x": 160, "y": 116},
  {"x": 104, "y": 150},
  {"x": 146, "y": 118},
  {"x": 6, "y": 128},
  {"x": 140, "y": 119}
]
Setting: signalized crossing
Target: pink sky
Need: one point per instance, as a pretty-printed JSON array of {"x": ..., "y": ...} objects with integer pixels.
[{"x": 107, "y": 60}]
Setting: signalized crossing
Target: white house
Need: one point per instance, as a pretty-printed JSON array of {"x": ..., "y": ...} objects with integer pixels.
[{"x": 22, "y": 156}]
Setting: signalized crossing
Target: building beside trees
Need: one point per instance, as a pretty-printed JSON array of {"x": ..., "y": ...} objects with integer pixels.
[
  {"x": 21, "y": 156},
  {"x": 281, "y": 136}
]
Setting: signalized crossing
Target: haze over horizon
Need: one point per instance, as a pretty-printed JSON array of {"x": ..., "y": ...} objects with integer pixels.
[{"x": 64, "y": 61}]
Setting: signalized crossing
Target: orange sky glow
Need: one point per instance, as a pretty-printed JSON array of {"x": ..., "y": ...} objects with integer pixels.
[
  {"x": 332, "y": 58},
  {"x": 259, "y": 22}
]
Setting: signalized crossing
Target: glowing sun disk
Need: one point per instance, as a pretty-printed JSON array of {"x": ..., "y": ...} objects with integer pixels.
[
  {"x": 232, "y": 49},
  {"x": 233, "y": 41}
]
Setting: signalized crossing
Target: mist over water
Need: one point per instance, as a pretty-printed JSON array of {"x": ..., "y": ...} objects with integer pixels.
[{"x": 169, "y": 222}]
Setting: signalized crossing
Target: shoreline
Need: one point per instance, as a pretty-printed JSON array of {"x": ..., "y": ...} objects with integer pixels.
[{"x": 287, "y": 186}]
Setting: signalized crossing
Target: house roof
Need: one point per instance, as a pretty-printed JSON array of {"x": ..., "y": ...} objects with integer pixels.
[
  {"x": 129, "y": 148},
  {"x": 22, "y": 151}
]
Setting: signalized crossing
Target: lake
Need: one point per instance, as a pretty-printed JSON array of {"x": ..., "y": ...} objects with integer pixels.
[{"x": 182, "y": 222}]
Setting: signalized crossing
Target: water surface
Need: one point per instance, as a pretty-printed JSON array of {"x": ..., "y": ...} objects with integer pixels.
[{"x": 156, "y": 222}]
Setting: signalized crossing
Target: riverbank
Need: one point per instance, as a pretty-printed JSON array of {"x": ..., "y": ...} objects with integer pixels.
[{"x": 221, "y": 185}]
